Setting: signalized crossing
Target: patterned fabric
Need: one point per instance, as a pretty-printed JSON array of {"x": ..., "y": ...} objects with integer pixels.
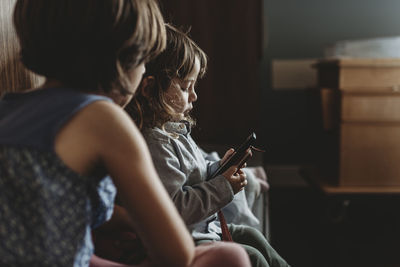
[
  {"x": 47, "y": 210},
  {"x": 45, "y": 217}
]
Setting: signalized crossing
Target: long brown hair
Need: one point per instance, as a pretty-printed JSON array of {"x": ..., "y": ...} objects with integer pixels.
[
  {"x": 89, "y": 45},
  {"x": 149, "y": 108}
]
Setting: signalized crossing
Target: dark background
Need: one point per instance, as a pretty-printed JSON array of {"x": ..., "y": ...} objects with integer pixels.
[{"x": 241, "y": 39}]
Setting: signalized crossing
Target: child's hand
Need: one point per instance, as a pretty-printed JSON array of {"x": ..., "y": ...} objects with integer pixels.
[
  {"x": 228, "y": 153},
  {"x": 237, "y": 178}
]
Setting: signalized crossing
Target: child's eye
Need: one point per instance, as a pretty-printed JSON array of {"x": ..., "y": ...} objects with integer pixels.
[
  {"x": 184, "y": 88},
  {"x": 186, "y": 85}
]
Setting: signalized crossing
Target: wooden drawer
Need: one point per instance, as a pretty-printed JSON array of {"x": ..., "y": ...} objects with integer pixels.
[
  {"x": 370, "y": 107},
  {"x": 369, "y": 154},
  {"x": 359, "y": 73},
  {"x": 361, "y": 107},
  {"x": 353, "y": 76}
]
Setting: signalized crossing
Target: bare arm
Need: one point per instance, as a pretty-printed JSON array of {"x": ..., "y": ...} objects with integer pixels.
[{"x": 109, "y": 136}]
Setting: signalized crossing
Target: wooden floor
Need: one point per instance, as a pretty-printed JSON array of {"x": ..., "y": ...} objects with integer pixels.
[{"x": 310, "y": 229}]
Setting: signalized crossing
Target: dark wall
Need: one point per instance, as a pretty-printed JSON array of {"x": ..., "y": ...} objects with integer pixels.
[
  {"x": 229, "y": 31},
  {"x": 236, "y": 95},
  {"x": 291, "y": 121}
]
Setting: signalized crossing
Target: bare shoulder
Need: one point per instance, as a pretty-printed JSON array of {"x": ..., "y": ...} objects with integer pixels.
[
  {"x": 111, "y": 127},
  {"x": 105, "y": 120},
  {"x": 102, "y": 113},
  {"x": 98, "y": 131}
]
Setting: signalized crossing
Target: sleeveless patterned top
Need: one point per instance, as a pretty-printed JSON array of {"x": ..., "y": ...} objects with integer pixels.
[{"x": 47, "y": 210}]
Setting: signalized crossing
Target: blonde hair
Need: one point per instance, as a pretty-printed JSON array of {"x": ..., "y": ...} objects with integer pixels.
[
  {"x": 176, "y": 61},
  {"x": 89, "y": 45}
]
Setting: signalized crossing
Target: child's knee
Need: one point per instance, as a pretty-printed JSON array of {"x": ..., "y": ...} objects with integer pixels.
[{"x": 221, "y": 254}]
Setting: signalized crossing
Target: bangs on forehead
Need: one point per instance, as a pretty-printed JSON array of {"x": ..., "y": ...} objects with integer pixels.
[
  {"x": 187, "y": 65},
  {"x": 203, "y": 62},
  {"x": 191, "y": 51}
]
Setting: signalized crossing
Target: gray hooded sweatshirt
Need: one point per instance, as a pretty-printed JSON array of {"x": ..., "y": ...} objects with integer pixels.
[{"x": 184, "y": 172}]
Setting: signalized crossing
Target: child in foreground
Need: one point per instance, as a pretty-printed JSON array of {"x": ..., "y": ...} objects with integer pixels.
[
  {"x": 61, "y": 142},
  {"x": 161, "y": 109}
]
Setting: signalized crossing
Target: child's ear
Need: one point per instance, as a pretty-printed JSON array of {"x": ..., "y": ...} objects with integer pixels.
[{"x": 147, "y": 86}]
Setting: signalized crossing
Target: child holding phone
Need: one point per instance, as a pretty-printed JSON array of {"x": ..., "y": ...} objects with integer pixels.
[
  {"x": 61, "y": 143},
  {"x": 161, "y": 109}
]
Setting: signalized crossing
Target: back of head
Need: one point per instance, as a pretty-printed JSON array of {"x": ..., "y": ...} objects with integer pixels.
[
  {"x": 90, "y": 45},
  {"x": 150, "y": 108},
  {"x": 14, "y": 76}
]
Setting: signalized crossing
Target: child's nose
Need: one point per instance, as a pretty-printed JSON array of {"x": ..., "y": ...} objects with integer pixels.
[{"x": 193, "y": 96}]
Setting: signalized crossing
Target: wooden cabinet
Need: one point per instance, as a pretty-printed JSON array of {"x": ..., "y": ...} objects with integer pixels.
[{"x": 361, "y": 108}]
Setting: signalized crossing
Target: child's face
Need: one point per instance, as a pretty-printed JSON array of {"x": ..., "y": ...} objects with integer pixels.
[{"x": 181, "y": 93}]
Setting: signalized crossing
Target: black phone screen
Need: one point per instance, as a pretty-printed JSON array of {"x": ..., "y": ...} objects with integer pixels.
[{"x": 237, "y": 156}]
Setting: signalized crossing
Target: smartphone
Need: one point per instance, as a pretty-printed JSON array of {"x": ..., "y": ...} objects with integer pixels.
[{"x": 238, "y": 157}]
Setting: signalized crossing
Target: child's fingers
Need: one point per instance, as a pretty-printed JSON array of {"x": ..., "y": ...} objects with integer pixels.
[
  {"x": 240, "y": 172},
  {"x": 242, "y": 179},
  {"x": 249, "y": 152},
  {"x": 230, "y": 172},
  {"x": 228, "y": 153},
  {"x": 236, "y": 177}
]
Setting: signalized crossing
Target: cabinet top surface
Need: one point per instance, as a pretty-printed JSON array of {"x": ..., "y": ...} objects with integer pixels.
[{"x": 358, "y": 62}]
